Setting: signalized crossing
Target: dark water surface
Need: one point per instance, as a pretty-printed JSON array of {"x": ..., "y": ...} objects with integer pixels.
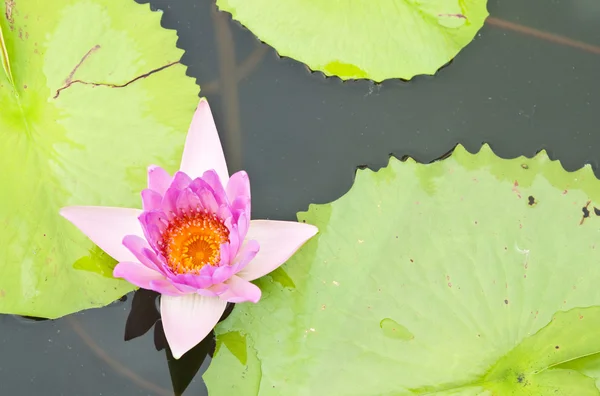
[{"x": 524, "y": 84}]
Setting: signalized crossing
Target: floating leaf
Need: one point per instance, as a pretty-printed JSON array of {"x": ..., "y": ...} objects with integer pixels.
[
  {"x": 437, "y": 279},
  {"x": 91, "y": 94},
  {"x": 364, "y": 39}
]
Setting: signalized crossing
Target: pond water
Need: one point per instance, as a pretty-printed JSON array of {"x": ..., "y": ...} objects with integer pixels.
[{"x": 529, "y": 81}]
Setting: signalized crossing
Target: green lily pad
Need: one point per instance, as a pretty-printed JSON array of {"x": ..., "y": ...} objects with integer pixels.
[
  {"x": 449, "y": 278},
  {"x": 91, "y": 93},
  {"x": 356, "y": 39}
]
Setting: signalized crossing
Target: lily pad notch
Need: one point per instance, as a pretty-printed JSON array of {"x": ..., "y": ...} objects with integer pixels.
[
  {"x": 438, "y": 278},
  {"x": 68, "y": 136}
]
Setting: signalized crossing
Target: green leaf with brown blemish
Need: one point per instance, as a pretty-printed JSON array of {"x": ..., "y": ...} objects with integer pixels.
[
  {"x": 434, "y": 279},
  {"x": 93, "y": 94}
]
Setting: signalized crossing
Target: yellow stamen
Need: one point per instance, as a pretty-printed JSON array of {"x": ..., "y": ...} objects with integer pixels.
[{"x": 192, "y": 241}]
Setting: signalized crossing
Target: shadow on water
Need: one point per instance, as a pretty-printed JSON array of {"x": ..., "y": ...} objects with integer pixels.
[{"x": 529, "y": 81}]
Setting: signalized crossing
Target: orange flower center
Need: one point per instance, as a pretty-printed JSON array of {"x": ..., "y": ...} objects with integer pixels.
[{"x": 191, "y": 242}]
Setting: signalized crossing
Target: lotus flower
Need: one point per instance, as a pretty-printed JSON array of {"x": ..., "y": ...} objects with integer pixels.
[{"x": 193, "y": 242}]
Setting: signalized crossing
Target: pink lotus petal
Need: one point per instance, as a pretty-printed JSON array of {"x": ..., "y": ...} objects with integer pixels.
[
  {"x": 224, "y": 213},
  {"x": 153, "y": 225},
  {"x": 169, "y": 202},
  {"x": 165, "y": 287},
  {"x": 278, "y": 241},
  {"x": 106, "y": 227},
  {"x": 238, "y": 185},
  {"x": 212, "y": 178},
  {"x": 213, "y": 291},
  {"x": 241, "y": 290},
  {"x": 198, "y": 184},
  {"x": 151, "y": 199},
  {"x": 194, "y": 281},
  {"x": 203, "y": 149},
  {"x": 142, "y": 252},
  {"x": 184, "y": 288},
  {"x": 188, "y": 319},
  {"x": 234, "y": 238},
  {"x": 158, "y": 179},
  {"x": 207, "y": 272},
  {"x": 187, "y": 202},
  {"x": 136, "y": 273},
  {"x": 240, "y": 205},
  {"x": 154, "y": 217},
  {"x": 219, "y": 289},
  {"x": 243, "y": 224},
  {"x": 180, "y": 181},
  {"x": 224, "y": 254},
  {"x": 221, "y": 274},
  {"x": 247, "y": 252},
  {"x": 207, "y": 200}
]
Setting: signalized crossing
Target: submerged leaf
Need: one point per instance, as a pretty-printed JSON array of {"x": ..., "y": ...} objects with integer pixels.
[
  {"x": 437, "y": 279},
  {"x": 361, "y": 38},
  {"x": 98, "y": 95}
]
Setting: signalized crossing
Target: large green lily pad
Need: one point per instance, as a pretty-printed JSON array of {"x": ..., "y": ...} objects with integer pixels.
[
  {"x": 355, "y": 39},
  {"x": 473, "y": 275},
  {"x": 91, "y": 93}
]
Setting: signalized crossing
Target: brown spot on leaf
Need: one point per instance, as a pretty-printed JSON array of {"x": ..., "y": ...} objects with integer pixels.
[
  {"x": 531, "y": 200},
  {"x": 9, "y": 5},
  {"x": 557, "y": 347},
  {"x": 515, "y": 189},
  {"x": 506, "y": 302},
  {"x": 459, "y": 16},
  {"x": 586, "y": 212},
  {"x": 524, "y": 166},
  {"x": 596, "y": 211}
]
